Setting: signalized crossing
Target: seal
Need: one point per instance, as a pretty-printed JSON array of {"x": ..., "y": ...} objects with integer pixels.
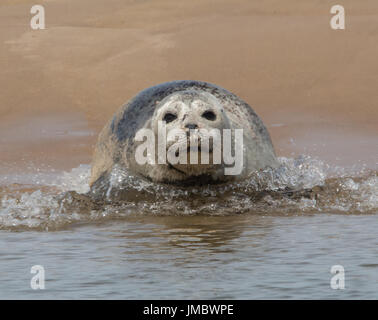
[{"x": 203, "y": 116}]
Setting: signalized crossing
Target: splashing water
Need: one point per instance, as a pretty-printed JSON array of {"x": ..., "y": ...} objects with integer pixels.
[{"x": 298, "y": 186}]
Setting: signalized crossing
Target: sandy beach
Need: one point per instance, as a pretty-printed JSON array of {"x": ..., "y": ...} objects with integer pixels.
[{"x": 314, "y": 87}]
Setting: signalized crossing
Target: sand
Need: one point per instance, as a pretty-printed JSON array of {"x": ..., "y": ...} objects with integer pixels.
[{"x": 315, "y": 88}]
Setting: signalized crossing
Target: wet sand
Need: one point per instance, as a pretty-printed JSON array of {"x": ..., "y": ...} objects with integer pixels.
[{"x": 314, "y": 87}]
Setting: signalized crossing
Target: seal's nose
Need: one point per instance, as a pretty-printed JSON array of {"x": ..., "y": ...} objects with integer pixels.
[{"x": 191, "y": 126}]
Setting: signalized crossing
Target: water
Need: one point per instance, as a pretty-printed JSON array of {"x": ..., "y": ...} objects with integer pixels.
[
  {"x": 243, "y": 257},
  {"x": 249, "y": 240}
]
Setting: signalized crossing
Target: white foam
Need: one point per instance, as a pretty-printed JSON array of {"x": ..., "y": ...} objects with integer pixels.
[{"x": 42, "y": 208}]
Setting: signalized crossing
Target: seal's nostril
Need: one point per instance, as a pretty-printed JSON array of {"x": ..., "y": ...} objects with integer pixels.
[{"x": 191, "y": 126}]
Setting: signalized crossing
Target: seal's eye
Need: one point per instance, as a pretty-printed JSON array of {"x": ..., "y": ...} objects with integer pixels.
[
  {"x": 169, "y": 117},
  {"x": 209, "y": 115}
]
